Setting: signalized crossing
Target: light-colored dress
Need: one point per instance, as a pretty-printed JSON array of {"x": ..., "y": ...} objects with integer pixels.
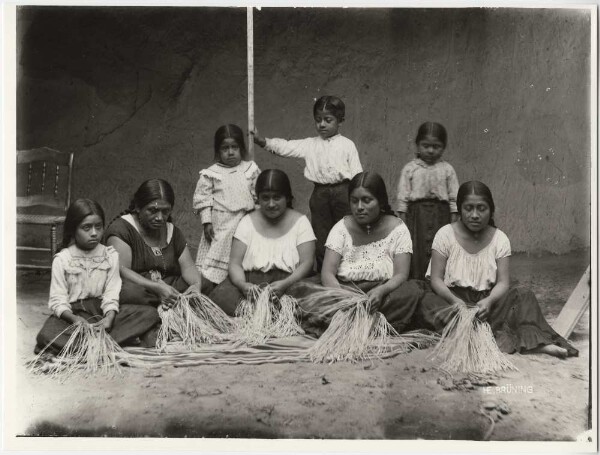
[
  {"x": 372, "y": 261},
  {"x": 476, "y": 271},
  {"x": 223, "y": 196},
  {"x": 281, "y": 253}
]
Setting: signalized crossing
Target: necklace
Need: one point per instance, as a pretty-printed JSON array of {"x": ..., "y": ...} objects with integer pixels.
[
  {"x": 370, "y": 227},
  {"x": 156, "y": 251}
]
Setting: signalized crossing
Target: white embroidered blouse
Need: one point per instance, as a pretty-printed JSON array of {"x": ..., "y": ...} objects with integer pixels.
[
  {"x": 477, "y": 271},
  {"x": 420, "y": 180},
  {"x": 330, "y": 160},
  {"x": 370, "y": 262},
  {"x": 79, "y": 274},
  {"x": 264, "y": 254},
  {"x": 228, "y": 189}
]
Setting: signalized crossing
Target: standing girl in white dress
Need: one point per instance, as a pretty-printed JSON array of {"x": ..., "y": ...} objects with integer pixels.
[{"x": 224, "y": 194}]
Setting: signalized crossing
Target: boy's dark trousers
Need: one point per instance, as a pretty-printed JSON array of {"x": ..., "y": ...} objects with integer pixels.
[{"x": 328, "y": 204}]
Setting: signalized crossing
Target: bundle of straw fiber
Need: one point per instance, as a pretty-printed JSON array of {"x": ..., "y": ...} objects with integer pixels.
[
  {"x": 355, "y": 332},
  {"x": 89, "y": 350},
  {"x": 467, "y": 345},
  {"x": 192, "y": 320},
  {"x": 263, "y": 315}
]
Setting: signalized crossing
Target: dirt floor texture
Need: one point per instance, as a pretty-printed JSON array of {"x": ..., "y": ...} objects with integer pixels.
[{"x": 404, "y": 397}]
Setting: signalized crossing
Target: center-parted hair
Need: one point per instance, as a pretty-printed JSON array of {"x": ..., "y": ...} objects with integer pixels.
[
  {"x": 277, "y": 181},
  {"x": 76, "y": 213},
  {"x": 233, "y": 132},
  {"x": 478, "y": 189},
  {"x": 332, "y": 104},
  {"x": 436, "y": 130},
  {"x": 373, "y": 182}
]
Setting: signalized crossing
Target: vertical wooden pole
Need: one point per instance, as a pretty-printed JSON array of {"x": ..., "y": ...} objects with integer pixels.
[{"x": 250, "y": 34}]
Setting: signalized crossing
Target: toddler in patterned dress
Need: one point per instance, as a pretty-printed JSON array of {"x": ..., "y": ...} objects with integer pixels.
[{"x": 224, "y": 194}]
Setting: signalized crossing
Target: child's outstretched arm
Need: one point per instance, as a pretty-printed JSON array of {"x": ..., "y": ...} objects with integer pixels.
[
  {"x": 258, "y": 140},
  {"x": 290, "y": 149}
]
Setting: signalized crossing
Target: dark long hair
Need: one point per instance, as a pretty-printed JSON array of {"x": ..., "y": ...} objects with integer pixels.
[
  {"x": 373, "y": 182},
  {"x": 275, "y": 180},
  {"x": 433, "y": 129},
  {"x": 76, "y": 213},
  {"x": 148, "y": 191},
  {"x": 234, "y": 132},
  {"x": 332, "y": 104},
  {"x": 478, "y": 189}
]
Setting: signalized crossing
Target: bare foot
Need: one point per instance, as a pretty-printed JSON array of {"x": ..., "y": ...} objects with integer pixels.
[{"x": 550, "y": 349}]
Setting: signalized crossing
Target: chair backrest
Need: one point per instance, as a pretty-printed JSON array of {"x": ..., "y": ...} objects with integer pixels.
[{"x": 44, "y": 178}]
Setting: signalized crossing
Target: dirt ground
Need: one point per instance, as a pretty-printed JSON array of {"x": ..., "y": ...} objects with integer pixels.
[{"x": 398, "y": 398}]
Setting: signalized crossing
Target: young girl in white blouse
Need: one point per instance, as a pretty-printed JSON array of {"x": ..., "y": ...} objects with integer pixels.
[
  {"x": 426, "y": 195},
  {"x": 470, "y": 265},
  {"x": 85, "y": 284},
  {"x": 331, "y": 162},
  {"x": 274, "y": 244},
  {"x": 224, "y": 194}
]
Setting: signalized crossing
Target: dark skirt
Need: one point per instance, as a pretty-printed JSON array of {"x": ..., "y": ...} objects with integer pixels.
[
  {"x": 516, "y": 319},
  {"x": 398, "y": 306},
  {"x": 424, "y": 218},
  {"x": 227, "y": 296},
  {"x": 130, "y": 322}
]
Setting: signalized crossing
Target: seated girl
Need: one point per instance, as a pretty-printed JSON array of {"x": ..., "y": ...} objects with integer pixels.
[
  {"x": 85, "y": 284},
  {"x": 470, "y": 265},
  {"x": 274, "y": 245}
]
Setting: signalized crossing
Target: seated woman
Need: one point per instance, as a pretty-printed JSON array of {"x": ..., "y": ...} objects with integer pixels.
[
  {"x": 274, "y": 245},
  {"x": 372, "y": 249},
  {"x": 470, "y": 265},
  {"x": 156, "y": 265}
]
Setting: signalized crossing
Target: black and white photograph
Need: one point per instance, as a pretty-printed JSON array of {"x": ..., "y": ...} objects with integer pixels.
[{"x": 238, "y": 223}]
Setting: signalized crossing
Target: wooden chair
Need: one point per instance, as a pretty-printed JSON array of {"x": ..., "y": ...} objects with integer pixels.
[{"x": 47, "y": 195}]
